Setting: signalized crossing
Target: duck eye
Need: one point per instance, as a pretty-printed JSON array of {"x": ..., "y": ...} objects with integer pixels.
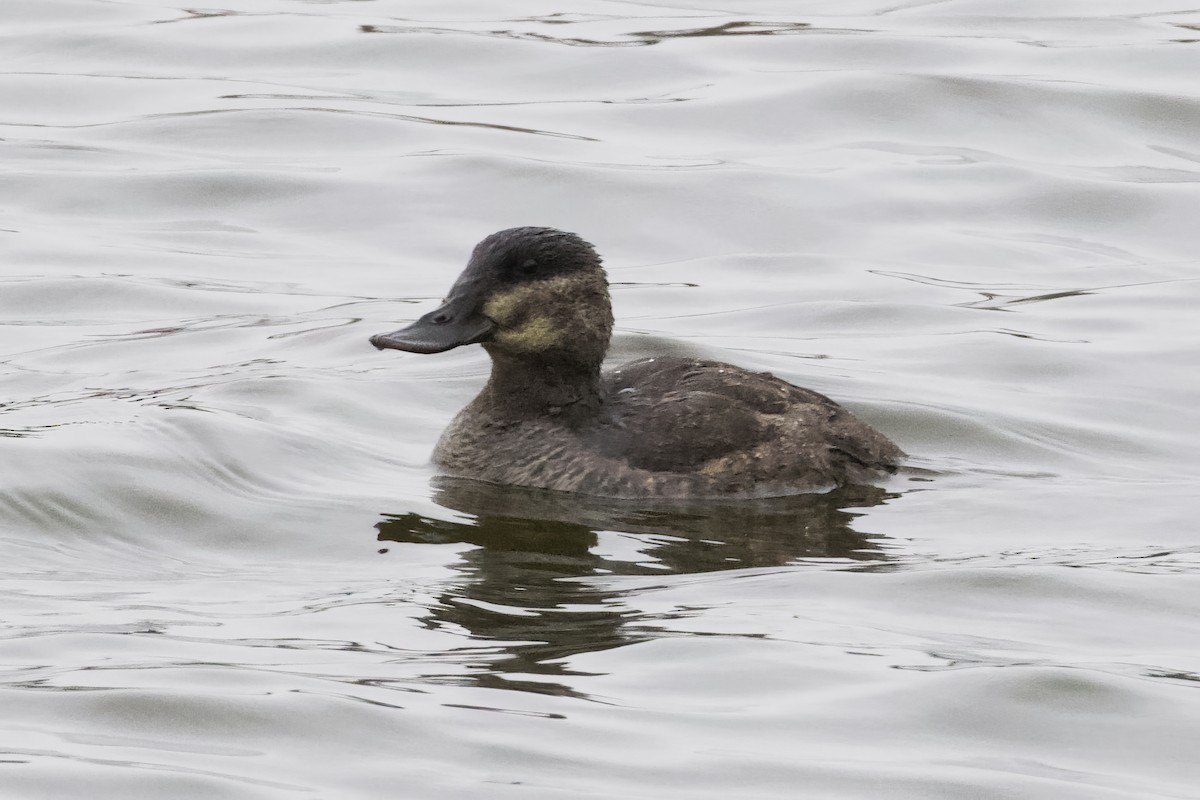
[{"x": 528, "y": 267}]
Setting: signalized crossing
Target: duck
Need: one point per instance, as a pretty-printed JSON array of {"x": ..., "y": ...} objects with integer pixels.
[{"x": 537, "y": 300}]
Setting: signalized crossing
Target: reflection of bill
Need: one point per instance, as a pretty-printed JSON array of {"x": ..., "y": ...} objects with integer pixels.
[{"x": 531, "y": 543}]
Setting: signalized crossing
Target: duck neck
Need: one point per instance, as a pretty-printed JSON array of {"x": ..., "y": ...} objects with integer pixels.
[{"x": 524, "y": 388}]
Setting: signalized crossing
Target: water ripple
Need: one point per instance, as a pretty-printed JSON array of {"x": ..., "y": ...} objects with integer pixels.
[{"x": 228, "y": 572}]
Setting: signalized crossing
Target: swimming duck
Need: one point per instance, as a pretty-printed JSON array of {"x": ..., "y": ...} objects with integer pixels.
[{"x": 537, "y": 300}]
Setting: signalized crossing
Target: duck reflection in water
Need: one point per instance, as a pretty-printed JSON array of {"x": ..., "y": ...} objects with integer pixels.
[{"x": 535, "y": 550}]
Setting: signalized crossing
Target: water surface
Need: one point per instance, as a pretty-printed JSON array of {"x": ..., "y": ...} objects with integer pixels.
[{"x": 230, "y": 571}]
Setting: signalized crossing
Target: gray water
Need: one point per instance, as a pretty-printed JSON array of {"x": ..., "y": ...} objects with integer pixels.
[{"x": 226, "y": 566}]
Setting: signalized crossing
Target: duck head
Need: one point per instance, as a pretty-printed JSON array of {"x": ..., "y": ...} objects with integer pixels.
[{"x": 526, "y": 294}]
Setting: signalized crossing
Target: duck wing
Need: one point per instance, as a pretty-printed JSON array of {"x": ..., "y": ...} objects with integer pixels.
[
  {"x": 742, "y": 430},
  {"x": 677, "y": 415}
]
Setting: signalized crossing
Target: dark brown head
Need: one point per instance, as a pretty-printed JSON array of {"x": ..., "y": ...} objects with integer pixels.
[{"x": 528, "y": 293}]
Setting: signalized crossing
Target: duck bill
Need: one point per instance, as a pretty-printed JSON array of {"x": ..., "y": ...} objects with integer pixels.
[{"x": 437, "y": 332}]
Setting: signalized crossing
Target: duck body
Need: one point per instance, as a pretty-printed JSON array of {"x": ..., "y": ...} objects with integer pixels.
[{"x": 537, "y": 300}]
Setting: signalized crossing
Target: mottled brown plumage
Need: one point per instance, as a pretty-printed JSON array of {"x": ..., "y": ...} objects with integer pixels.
[{"x": 537, "y": 300}]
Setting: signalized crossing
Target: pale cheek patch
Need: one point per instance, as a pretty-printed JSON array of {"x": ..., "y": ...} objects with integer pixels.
[
  {"x": 506, "y": 307},
  {"x": 535, "y": 335},
  {"x": 503, "y": 307},
  {"x": 540, "y": 332}
]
